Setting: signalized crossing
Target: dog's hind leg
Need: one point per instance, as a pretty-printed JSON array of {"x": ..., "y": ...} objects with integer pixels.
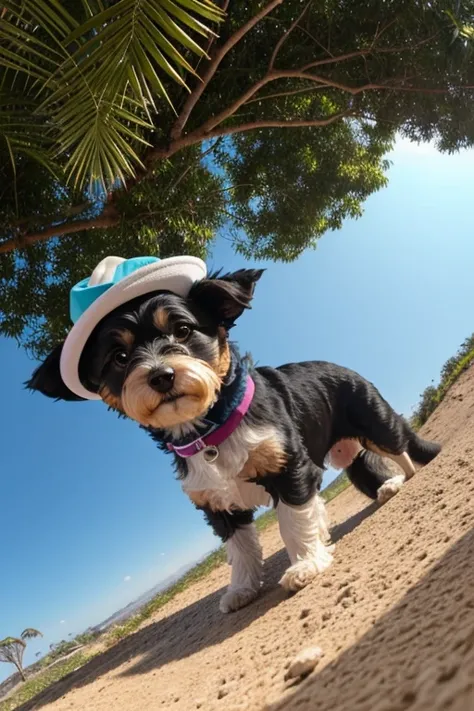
[
  {"x": 381, "y": 430},
  {"x": 368, "y": 472},
  {"x": 305, "y": 534}
]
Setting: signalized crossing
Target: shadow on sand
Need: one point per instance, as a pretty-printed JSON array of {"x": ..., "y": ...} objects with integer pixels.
[
  {"x": 419, "y": 656},
  {"x": 200, "y": 625}
]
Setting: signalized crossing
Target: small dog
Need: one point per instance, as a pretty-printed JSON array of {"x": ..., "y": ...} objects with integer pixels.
[{"x": 241, "y": 436}]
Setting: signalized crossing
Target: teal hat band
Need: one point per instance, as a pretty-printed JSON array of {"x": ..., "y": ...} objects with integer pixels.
[{"x": 82, "y": 295}]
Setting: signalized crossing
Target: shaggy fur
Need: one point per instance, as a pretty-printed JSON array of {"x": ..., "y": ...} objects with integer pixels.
[{"x": 166, "y": 362}]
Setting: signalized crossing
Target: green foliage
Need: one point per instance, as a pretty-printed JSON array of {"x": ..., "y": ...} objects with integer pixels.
[
  {"x": 172, "y": 212},
  {"x": 319, "y": 182},
  {"x": 336, "y": 487},
  {"x": 86, "y": 637},
  {"x": 282, "y": 137},
  {"x": 450, "y": 372},
  {"x": 267, "y": 518},
  {"x": 65, "y": 647}
]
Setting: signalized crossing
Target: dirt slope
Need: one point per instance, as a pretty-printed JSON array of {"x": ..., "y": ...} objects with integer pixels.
[{"x": 394, "y": 615}]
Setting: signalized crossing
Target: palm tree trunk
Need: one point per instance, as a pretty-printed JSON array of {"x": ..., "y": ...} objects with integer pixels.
[{"x": 20, "y": 671}]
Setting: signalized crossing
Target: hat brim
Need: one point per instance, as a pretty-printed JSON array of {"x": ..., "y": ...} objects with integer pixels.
[{"x": 176, "y": 274}]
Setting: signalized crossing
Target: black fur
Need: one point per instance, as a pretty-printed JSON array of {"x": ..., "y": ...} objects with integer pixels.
[
  {"x": 47, "y": 378},
  {"x": 422, "y": 451},
  {"x": 368, "y": 472},
  {"x": 312, "y": 405},
  {"x": 225, "y": 523},
  {"x": 226, "y": 296},
  {"x": 316, "y": 404}
]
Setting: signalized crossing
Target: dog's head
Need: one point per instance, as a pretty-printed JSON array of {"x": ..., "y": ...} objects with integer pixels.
[{"x": 160, "y": 359}]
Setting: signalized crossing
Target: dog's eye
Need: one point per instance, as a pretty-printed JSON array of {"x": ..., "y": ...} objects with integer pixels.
[
  {"x": 120, "y": 357},
  {"x": 181, "y": 331}
]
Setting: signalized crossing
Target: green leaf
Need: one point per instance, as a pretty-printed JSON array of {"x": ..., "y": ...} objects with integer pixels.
[
  {"x": 184, "y": 17},
  {"x": 203, "y": 9}
]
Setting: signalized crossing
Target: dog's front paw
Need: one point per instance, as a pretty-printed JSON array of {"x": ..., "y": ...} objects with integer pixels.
[
  {"x": 235, "y": 598},
  {"x": 300, "y": 574},
  {"x": 390, "y": 488}
]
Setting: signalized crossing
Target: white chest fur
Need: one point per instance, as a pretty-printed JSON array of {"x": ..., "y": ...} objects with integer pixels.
[{"x": 222, "y": 485}]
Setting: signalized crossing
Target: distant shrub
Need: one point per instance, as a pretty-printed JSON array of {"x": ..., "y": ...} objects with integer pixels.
[
  {"x": 86, "y": 637},
  {"x": 450, "y": 372}
]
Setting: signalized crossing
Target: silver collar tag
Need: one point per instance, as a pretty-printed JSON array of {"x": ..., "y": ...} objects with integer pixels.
[{"x": 210, "y": 454}]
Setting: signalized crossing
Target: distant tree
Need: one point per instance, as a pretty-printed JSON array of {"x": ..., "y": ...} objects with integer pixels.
[
  {"x": 275, "y": 120},
  {"x": 13, "y": 648},
  {"x": 427, "y": 404},
  {"x": 449, "y": 367},
  {"x": 431, "y": 397}
]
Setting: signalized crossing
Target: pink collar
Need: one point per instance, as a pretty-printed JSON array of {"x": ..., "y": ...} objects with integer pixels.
[{"x": 211, "y": 441}]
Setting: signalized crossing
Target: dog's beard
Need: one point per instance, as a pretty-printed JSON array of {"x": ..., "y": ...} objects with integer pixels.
[{"x": 195, "y": 389}]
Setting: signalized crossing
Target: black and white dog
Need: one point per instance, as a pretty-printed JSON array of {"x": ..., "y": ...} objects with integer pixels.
[{"x": 241, "y": 436}]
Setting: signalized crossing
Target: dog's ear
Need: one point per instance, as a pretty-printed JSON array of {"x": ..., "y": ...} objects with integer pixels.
[
  {"x": 47, "y": 378},
  {"x": 227, "y": 296}
]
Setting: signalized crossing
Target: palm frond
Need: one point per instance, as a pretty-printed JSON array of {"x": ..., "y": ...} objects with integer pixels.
[
  {"x": 140, "y": 39},
  {"x": 99, "y": 80},
  {"x": 101, "y": 141},
  {"x": 135, "y": 32},
  {"x": 30, "y": 633},
  {"x": 9, "y": 641}
]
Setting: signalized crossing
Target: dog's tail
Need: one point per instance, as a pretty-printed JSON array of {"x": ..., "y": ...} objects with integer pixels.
[
  {"x": 422, "y": 451},
  {"x": 368, "y": 472}
]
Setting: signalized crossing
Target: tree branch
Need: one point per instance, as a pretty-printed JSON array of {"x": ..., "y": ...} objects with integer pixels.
[
  {"x": 273, "y": 75},
  {"x": 316, "y": 41},
  {"x": 390, "y": 85},
  {"x": 26, "y": 240},
  {"x": 279, "y": 94},
  {"x": 331, "y": 83},
  {"x": 197, "y": 92},
  {"x": 235, "y": 106},
  {"x": 191, "y": 166},
  {"x": 285, "y": 36},
  {"x": 213, "y": 37},
  {"x": 337, "y": 58},
  {"x": 211, "y": 41},
  {"x": 297, "y": 123},
  {"x": 365, "y": 52},
  {"x": 43, "y": 220}
]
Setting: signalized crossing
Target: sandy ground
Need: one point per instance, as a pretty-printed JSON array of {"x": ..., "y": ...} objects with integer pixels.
[{"x": 394, "y": 615}]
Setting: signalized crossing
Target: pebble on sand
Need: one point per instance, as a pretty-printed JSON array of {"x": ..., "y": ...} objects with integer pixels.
[{"x": 304, "y": 662}]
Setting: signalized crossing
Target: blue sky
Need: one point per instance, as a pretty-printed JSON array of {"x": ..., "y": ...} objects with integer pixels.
[{"x": 92, "y": 516}]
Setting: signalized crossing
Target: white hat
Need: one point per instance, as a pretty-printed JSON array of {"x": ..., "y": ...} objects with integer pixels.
[{"x": 113, "y": 282}]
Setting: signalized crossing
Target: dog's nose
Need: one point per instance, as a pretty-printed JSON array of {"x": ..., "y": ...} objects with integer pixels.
[{"x": 161, "y": 379}]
